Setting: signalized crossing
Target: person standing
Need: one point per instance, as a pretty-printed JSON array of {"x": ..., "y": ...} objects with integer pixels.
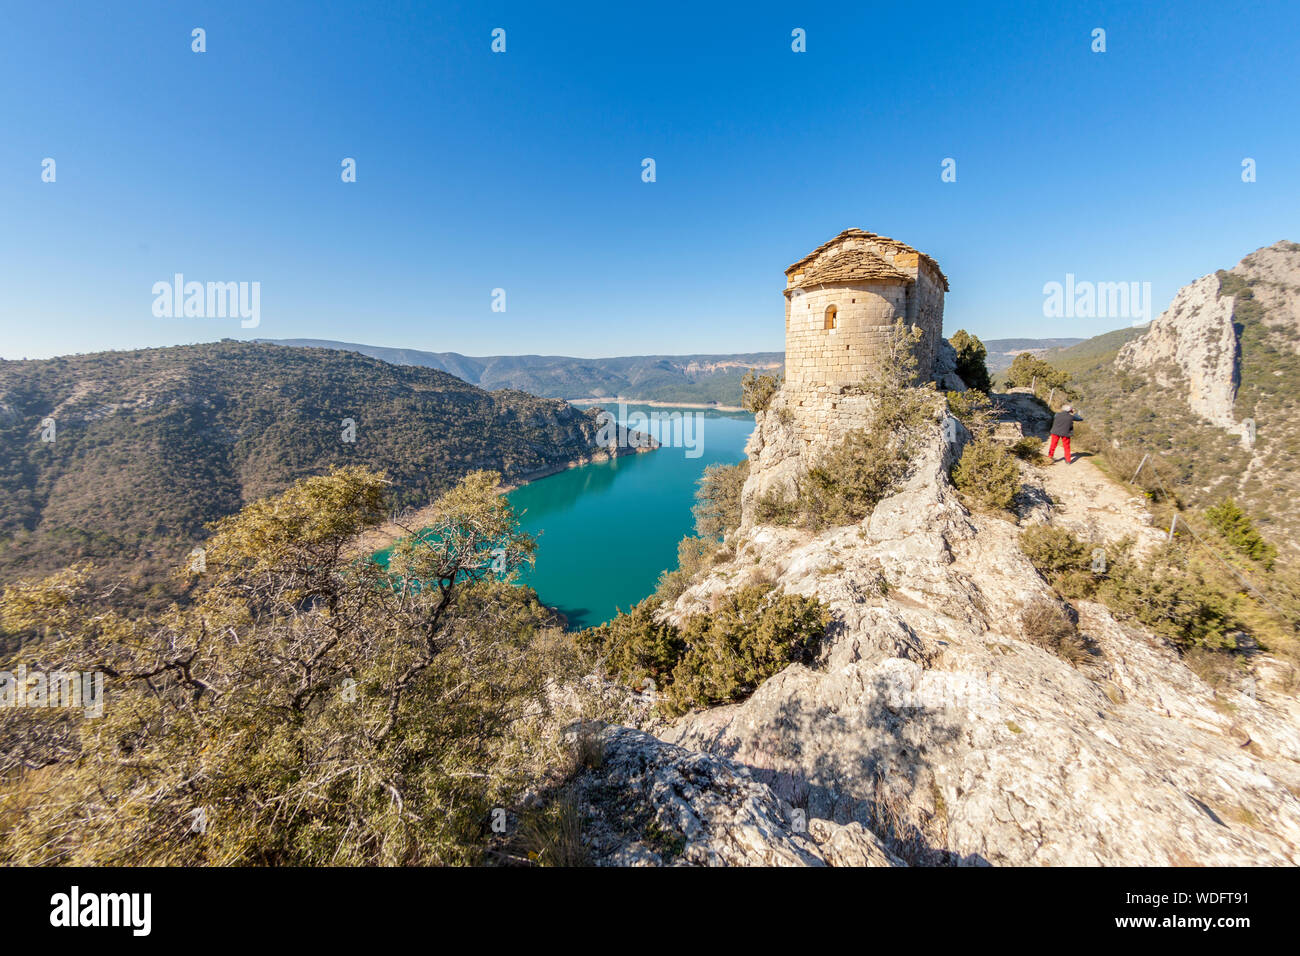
[{"x": 1063, "y": 431}]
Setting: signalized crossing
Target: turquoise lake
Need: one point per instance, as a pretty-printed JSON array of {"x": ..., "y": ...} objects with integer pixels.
[{"x": 606, "y": 531}]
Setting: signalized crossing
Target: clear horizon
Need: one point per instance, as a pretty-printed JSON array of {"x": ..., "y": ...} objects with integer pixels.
[{"x": 522, "y": 171}]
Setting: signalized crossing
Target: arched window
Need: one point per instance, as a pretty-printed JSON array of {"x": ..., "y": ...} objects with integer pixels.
[{"x": 832, "y": 314}]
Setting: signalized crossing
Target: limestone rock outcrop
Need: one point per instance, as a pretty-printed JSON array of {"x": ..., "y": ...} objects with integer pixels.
[
  {"x": 650, "y": 803},
  {"x": 1192, "y": 346},
  {"x": 934, "y": 722}
]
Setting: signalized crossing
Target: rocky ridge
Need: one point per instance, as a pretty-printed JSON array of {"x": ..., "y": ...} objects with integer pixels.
[
  {"x": 1192, "y": 344},
  {"x": 1194, "y": 347},
  {"x": 933, "y": 722}
]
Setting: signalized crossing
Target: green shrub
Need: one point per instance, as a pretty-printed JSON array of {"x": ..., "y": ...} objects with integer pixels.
[
  {"x": 714, "y": 658},
  {"x": 973, "y": 409},
  {"x": 852, "y": 478},
  {"x": 635, "y": 646},
  {"x": 774, "y": 507},
  {"x": 750, "y": 637},
  {"x": 757, "y": 390},
  {"x": 1027, "y": 449},
  {"x": 972, "y": 367},
  {"x": 1239, "y": 531},
  {"x": 987, "y": 475},
  {"x": 717, "y": 500},
  {"x": 1054, "y": 551},
  {"x": 1172, "y": 597}
]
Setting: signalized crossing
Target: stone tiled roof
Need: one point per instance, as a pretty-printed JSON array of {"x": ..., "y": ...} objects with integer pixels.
[
  {"x": 879, "y": 240},
  {"x": 853, "y": 264}
]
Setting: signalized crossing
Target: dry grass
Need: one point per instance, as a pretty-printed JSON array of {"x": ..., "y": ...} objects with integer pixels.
[
  {"x": 552, "y": 835},
  {"x": 1241, "y": 815},
  {"x": 1046, "y": 624},
  {"x": 589, "y": 749}
]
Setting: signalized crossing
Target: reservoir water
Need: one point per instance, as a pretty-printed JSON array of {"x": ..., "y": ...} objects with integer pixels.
[{"x": 606, "y": 531}]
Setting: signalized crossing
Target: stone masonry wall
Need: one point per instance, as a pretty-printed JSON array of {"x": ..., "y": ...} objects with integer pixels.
[
  {"x": 820, "y": 401},
  {"x": 815, "y": 355}
]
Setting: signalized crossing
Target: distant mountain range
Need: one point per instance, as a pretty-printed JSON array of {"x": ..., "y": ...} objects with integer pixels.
[
  {"x": 1002, "y": 352},
  {"x": 708, "y": 379},
  {"x": 123, "y": 457}
]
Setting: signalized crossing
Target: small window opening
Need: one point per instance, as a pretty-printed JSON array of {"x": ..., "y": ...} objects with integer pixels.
[{"x": 832, "y": 314}]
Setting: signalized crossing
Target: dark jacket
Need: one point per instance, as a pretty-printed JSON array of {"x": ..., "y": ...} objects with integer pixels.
[{"x": 1063, "y": 424}]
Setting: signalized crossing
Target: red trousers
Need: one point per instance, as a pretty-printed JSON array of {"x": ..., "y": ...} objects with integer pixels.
[{"x": 1064, "y": 440}]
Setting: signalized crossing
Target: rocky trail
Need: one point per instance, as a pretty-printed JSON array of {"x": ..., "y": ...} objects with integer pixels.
[
  {"x": 1079, "y": 496},
  {"x": 937, "y": 725}
]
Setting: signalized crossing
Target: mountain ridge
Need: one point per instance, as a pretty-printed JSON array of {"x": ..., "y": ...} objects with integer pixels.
[
  {"x": 691, "y": 378},
  {"x": 148, "y": 446},
  {"x": 1188, "y": 387}
]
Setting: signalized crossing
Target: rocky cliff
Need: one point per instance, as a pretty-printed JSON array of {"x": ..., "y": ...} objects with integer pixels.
[
  {"x": 1209, "y": 389},
  {"x": 1192, "y": 346},
  {"x": 934, "y": 723}
]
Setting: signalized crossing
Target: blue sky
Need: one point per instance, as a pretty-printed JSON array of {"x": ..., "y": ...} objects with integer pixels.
[{"x": 522, "y": 170}]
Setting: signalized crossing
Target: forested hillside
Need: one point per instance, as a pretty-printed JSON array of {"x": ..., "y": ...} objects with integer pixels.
[{"x": 150, "y": 445}]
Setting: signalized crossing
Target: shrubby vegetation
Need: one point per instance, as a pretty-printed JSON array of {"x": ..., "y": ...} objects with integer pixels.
[
  {"x": 1170, "y": 593},
  {"x": 717, "y": 500},
  {"x": 153, "y": 444},
  {"x": 972, "y": 357},
  {"x": 987, "y": 475},
  {"x": 851, "y": 478},
  {"x": 713, "y": 658},
  {"x": 1029, "y": 371},
  {"x": 757, "y": 390},
  {"x": 305, "y": 708},
  {"x": 1049, "y": 625},
  {"x": 1239, "y": 531},
  {"x": 1027, "y": 448},
  {"x": 972, "y": 408}
]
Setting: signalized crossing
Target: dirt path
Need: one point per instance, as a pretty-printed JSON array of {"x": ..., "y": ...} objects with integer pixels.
[
  {"x": 1087, "y": 502},
  {"x": 1084, "y": 499}
]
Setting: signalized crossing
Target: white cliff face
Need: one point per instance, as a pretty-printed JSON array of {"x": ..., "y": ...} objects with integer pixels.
[
  {"x": 1192, "y": 345},
  {"x": 934, "y": 723}
]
